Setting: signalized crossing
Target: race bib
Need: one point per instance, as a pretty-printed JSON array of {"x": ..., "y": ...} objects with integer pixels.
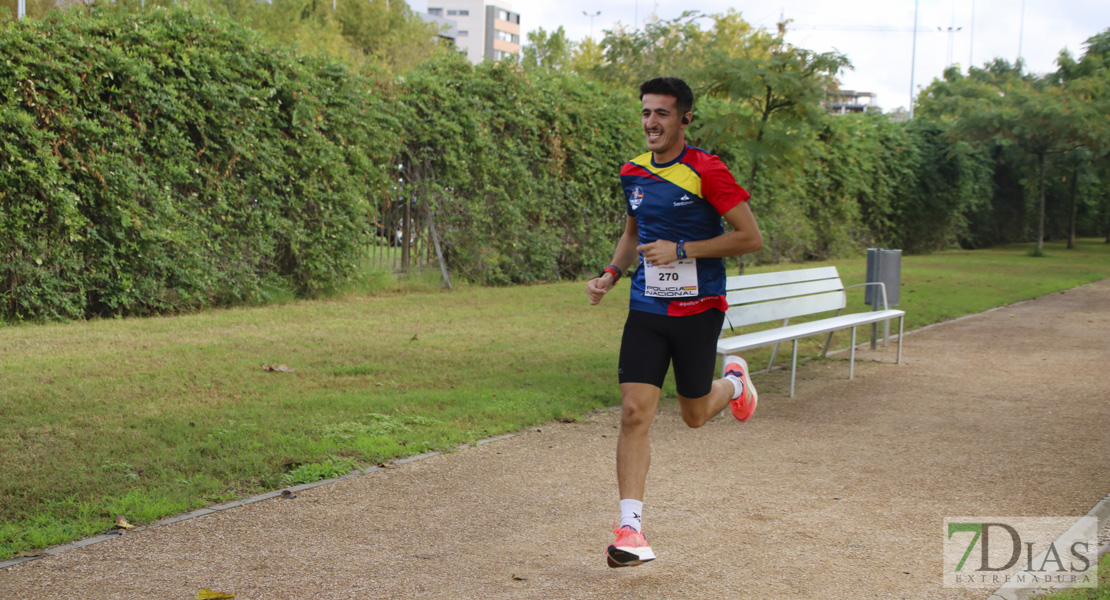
[{"x": 675, "y": 280}]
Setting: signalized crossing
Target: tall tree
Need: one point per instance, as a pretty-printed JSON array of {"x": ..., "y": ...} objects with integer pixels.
[
  {"x": 782, "y": 89},
  {"x": 1001, "y": 104},
  {"x": 676, "y": 47},
  {"x": 547, "y": 51},
  {"x": 1088, "y": 80}
]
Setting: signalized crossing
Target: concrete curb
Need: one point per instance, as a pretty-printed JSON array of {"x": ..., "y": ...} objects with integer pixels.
[
  {"x": 236, "y": 504},
  {"x": 1014, "y": 590}
]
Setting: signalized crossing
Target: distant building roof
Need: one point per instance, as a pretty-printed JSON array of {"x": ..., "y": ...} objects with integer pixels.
[{"x": 850, "y": 101}]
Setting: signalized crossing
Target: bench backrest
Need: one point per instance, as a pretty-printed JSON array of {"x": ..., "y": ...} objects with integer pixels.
[{"x": 785, "y": 294}]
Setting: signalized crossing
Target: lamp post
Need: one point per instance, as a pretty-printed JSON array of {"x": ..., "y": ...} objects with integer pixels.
[
  {"x": 591, "y": 16},
  {"x": 913, "y": 55},
  {"x": 971, "y": 51},
  {"x": 1021, "y": 29},
  {"x": 22, "y": 9},
  {"x": 951, "y": 31}
]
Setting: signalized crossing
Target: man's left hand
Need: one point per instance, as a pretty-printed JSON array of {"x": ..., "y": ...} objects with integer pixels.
[{"x": 659, "y": 252}]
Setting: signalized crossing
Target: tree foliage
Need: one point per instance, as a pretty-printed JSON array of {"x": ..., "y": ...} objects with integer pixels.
[
  {"x": 158, "y": 159},
  {"x": 1039, "y": 125},
  {"x": 522, "y": 168},
  {"x": 781, "y": 87},
  {"x": 162, "y": 161}
]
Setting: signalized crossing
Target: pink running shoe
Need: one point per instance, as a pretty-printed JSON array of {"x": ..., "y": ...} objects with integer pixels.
[
  {"x": 743, "y": 407},
  {"x": 631, "y": 548}
]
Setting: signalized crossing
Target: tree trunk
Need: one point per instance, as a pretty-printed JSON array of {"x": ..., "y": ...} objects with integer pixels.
[
  {"x": 1040, "y": 225},
  {"x": 1074, "y": 208},
  {"x": 767, "y": 110}
]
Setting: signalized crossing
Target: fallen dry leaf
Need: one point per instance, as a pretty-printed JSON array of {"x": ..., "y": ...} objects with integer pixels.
[
  {"x": 520, "y": 578},
  {"x": 121, "y": 522},
  {"x": 277, "y": 369},
  {"x": 210, "y": 595}
]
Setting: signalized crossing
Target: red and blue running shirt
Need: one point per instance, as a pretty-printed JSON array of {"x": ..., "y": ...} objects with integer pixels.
[{"x": 681, "y": 200}]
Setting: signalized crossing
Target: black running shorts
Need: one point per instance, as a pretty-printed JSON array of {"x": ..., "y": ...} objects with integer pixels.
[{"x": 651, "y": 342}]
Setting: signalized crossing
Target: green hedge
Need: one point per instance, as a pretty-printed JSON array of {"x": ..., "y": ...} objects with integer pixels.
[
  {"x": 523, "y": 168},
  {"x": 165, "y": 161},
  {"x": 162, "y": 161}
]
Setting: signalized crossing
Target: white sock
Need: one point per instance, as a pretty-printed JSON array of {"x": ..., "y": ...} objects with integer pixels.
[
  {"x": 737, "y": 385},
  {"x": 631, "y": 511}
]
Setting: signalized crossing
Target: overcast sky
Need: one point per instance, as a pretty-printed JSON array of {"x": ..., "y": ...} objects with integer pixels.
[{"x": 876, "y": 35}]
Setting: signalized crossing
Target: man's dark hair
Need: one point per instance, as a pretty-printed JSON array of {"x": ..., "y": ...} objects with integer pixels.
[{"x": 670, "y": 86}]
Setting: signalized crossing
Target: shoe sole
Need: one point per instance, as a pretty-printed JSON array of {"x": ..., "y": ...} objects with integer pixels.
[
  {"x": 620, "y": 557},
  {"x": 748, "y": 387}
]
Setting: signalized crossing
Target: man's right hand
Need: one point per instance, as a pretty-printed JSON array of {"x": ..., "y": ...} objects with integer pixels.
[{"x": 598, "y": 287}]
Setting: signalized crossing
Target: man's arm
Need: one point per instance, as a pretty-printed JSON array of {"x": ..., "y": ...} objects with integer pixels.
[
  {"x": 623, "y": 258},
  {"x": 744, "y": 240}
]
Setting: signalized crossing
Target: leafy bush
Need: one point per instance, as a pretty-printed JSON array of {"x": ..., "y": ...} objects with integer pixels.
[
  {"x": 163, "y": 161},
  {"x": 522, "y": 168}
]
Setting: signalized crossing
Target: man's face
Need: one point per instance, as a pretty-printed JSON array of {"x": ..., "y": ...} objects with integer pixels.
[{"x": 663, "y": 126}]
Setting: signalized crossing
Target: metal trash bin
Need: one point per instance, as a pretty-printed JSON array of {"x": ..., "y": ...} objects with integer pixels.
[{"x": 885, "y": 265}]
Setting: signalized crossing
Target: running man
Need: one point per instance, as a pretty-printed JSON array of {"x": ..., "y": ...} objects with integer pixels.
[{"x": 676, "y": 197}]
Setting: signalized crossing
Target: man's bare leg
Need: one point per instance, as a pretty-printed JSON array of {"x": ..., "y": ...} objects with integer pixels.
[
  {"x": 697, "y": 411},
  {"x": 639, "y": 402}
]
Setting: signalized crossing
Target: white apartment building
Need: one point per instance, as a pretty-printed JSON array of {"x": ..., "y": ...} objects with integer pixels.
[{"x": 484, "y": 29}]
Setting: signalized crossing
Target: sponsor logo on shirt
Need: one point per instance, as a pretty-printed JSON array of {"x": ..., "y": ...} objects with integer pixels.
[
  {"x": 684, "y": 201},
  {"x": 636, "y": 197}
]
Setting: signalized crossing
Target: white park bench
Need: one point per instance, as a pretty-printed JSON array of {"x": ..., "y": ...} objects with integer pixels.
[{"x": 768, "y": 297}]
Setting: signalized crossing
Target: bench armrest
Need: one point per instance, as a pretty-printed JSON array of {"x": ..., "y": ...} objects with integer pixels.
[{"x": 881, "y": 285}]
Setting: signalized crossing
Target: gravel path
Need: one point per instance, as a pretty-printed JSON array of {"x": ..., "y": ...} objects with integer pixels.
[{"x": 840, "y": 492}]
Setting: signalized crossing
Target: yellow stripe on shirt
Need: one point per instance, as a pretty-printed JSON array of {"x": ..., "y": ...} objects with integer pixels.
[{"x": 678, "y": 173}]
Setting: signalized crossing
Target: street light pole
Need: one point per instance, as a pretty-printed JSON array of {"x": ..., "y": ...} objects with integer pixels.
[
  {"x": 951, "y": 31},
  {"x": 22, "y": 9},
  {"x": 913, "y": 55},
  {"x": 971, "y": 51},
  {"x": 1021, "y": 29},
  {"x": 591, "y": 16}
]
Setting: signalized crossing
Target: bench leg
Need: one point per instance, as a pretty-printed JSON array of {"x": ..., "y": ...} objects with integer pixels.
[
  {"x": 901, "y": 329},
  {"x": 793, "y": 367},
  {"x": 852, "y": 357},
  {"x": 775, "y": 351},
  {"x": 828, "y": 341}
]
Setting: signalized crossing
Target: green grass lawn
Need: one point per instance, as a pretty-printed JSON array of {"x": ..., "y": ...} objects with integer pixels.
[
  {"x": 1101, "y": 592},
  {"x": 153, "y": 417}
]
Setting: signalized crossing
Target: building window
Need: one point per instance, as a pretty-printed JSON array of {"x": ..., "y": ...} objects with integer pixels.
[
  {"x": 464, "y": 13},
  {"x": 435, "y": 12},
  {"x": 462, "y": 33},
  {"x": 451, "y": 13},
  {"x": 503, "y": 15}
]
